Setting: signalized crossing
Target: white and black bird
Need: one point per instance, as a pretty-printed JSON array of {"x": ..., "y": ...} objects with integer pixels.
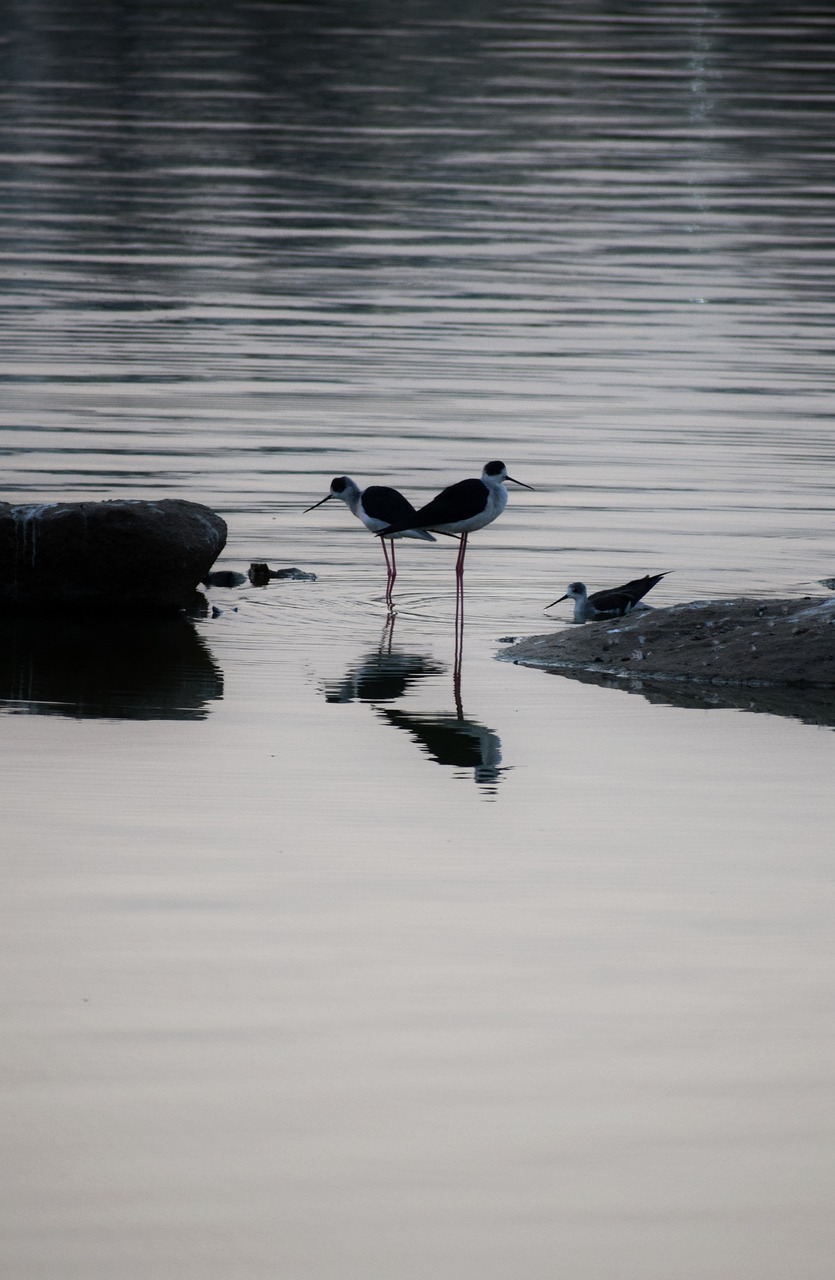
[
  {"x": 462, "y": 508},
  {"x": 613, "y": 603},
  {"x": 378, "y": 507}
]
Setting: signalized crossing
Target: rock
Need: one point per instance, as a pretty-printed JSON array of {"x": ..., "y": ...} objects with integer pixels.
[
  {"x": 120, "y": 554},
  {"x": 788, "y": 642},
  {"x": 225, "y": 578},
  {"x": 260, "y": 574}
]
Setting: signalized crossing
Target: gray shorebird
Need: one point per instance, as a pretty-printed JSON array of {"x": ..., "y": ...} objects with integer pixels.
[
  {"x": 378, "y": 507},
  {"x": 613, "y": 603}
]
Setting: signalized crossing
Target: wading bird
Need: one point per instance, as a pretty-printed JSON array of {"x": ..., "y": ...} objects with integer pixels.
[
  {"x": 459, "y": 510},
  {"x": 378, "y": 507}
]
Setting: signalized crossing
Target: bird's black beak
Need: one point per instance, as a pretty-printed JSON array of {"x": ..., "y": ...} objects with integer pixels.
[
  {"x": 316, "y": 504},
  {"x": 550, "y": 606},
  {"x": 522, "y": 484}
]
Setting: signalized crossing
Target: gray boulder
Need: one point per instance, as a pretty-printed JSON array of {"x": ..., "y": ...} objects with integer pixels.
[{"x": 121, "y": 554}]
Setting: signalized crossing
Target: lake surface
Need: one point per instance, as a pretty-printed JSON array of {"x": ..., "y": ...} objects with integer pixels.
[{"x": 317, "y": 965}]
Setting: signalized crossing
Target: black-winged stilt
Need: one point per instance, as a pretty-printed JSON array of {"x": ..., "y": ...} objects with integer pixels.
[
  {"x": 614, "y": 603},
  {"x": 459, "y": 510},
  {"x": 378, "y": 507},
  {"x": 463, "y": 507}
]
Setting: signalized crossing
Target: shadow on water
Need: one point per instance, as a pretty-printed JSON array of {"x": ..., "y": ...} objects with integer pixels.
[
  {"x": 809, "y": 704},
  {"x": 127, "y": 668},
  {"x": 385, "y": 674}
]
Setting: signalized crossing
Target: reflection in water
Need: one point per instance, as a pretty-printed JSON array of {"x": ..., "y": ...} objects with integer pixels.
[
  {"x": 809, "y": 704},
  {"x": 453, "y": 741},
  {"x": 126, "y": 668},
  {"x": 386, "y": 674}
]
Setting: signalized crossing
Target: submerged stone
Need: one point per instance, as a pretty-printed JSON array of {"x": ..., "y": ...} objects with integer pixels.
[
  {"x": 260, "y": 574},
  {"x": 225, "y": 578},
  {"x": 118, "y": 554}
]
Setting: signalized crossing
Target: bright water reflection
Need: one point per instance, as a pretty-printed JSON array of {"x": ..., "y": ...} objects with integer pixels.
[{"x": 285, "y": 996}]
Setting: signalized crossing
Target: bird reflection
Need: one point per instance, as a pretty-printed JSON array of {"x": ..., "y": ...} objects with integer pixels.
[
  {"x": 453, "y": 741},
  {"x": 384, "y": 674},
  {"x": 449, "y": 738}
]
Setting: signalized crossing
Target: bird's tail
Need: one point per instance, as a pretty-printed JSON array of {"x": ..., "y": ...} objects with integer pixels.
[{"x": 402, "y": 530}]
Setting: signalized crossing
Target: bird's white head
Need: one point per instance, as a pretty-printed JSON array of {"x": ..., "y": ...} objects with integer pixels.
[
  {"x": 575, "y": 591},
  {"x": 341, "y": 487},
  {"x": 496, "y": 473}
]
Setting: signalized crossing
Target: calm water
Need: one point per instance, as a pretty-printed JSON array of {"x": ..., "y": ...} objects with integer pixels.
[{"x": 312, "y": 969}]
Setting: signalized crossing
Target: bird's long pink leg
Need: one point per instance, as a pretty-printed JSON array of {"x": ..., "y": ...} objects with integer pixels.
[
  {"x": 459, "y": 604},
  {"x": 391, "y": 572}
]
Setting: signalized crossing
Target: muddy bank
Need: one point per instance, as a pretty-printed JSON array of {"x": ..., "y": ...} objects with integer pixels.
[{"x": 789, "y": 643}]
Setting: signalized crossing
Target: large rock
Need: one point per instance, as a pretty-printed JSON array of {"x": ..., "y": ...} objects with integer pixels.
[
  {"x": 119, "y": 554},
  {"x": 738, "y": 641}
]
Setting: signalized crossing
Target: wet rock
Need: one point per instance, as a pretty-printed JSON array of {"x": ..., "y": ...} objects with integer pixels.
[
  {"x": 724, "y": 641},
  {"x": 224, "y": 578},
  {"x": 120, "y": 554},
  {"x": 260, "y": 574}
]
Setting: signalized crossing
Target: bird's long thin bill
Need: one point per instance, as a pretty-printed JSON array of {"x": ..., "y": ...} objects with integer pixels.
[
  {"x": 550, "y": 606},
  {"x": 520, "y": 482},
  {"x": 317, "y": 504}
]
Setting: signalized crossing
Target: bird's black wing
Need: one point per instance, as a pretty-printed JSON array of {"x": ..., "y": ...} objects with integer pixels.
[
  {"x": 383, "y": 503},
  {"x": 638, "y": 587},
  {"x": 615, "y": 603},
  {"x": 458, "y": 502}
]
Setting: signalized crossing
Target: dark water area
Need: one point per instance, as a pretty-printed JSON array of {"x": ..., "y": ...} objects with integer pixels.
[
  {"x": 807, "y": 703},
  {"x": 326, "y": 952},
  {"x": 123, "y": 667}
]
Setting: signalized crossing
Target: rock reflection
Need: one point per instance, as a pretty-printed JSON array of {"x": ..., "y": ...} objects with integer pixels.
[
  {"x": 810, "y": 704},
  {"x": 127, "y": 668},
  {"x": 449, "y": 738}
]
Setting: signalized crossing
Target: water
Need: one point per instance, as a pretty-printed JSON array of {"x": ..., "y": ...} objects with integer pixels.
[{"x": 311, "y": 968}]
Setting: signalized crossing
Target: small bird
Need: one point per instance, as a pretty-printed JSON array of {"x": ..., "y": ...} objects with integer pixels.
[
  {"x": 378, "y": 507},
  {"x": 614, "y": 603},
  {"x": 460, "y": 509}
]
